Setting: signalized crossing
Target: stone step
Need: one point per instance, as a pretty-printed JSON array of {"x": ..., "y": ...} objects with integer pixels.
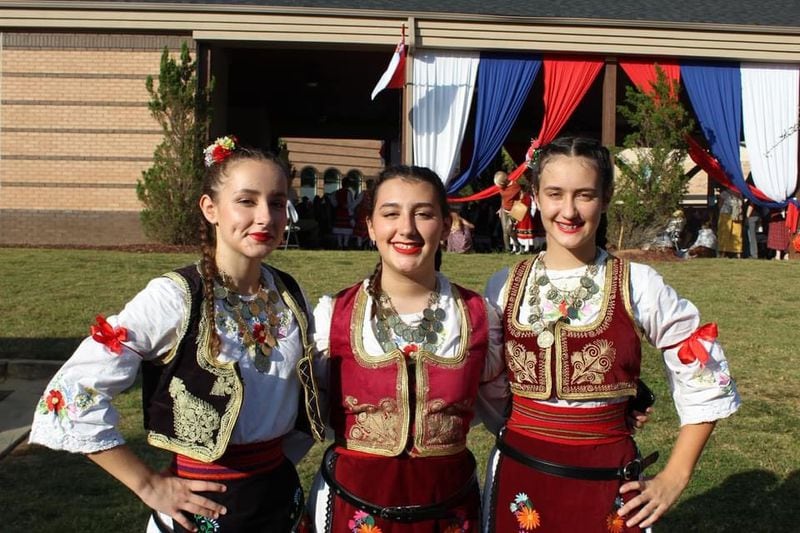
[{"x": 28, "y": 368}]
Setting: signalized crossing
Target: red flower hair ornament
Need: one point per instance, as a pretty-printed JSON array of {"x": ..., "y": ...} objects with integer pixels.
[{"x": 220, "y": 150}]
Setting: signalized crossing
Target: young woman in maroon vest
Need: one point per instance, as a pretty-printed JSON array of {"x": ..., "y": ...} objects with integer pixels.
[
  {"x": 405, "y": 353},
  {"x": 218, "y": 343},
  {"x": 573, "y": 316}
]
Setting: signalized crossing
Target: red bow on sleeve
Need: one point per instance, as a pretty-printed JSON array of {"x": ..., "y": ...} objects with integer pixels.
[
  {"x": 692, "y": 349},
  {"x": 112, "y": 338}
]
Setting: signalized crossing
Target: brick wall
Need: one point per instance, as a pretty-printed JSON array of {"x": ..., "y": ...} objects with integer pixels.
[{"x": 75, "y": 134}]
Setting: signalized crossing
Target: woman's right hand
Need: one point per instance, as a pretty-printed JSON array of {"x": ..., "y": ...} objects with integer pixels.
[
  {"x": 161, "y": 491},
  {"x": 175, "y": 496}
]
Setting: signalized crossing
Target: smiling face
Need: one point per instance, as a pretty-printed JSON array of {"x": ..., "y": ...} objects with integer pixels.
[
  {"x": 571, "y": 200},
  {"x": 248, "y": 211},
  {"x": 407, "y": 225}
]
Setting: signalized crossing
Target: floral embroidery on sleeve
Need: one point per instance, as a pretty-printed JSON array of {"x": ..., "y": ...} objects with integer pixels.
[
  {"x": 66, "y": 403},
  {"x": 527, "y": 517}
]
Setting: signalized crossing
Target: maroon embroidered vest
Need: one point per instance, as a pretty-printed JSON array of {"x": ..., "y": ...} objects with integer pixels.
[
  {"x": 596, "y": 361},
  {"x": 384, "y": 403}
]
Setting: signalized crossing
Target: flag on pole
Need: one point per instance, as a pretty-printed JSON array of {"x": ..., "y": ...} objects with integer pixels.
[{"x": 395, "y": 75}]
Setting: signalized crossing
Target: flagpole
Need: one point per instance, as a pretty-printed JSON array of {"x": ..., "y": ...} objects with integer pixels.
[{"x": 406, "y": 134}]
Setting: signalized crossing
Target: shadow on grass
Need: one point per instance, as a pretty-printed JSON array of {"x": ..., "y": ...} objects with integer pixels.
[
  {"x": 56, "y": 348},
  {"x": 751, "y": 501}
]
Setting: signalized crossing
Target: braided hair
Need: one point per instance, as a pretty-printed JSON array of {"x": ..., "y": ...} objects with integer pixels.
[
  {"x": 217, "y": 169},
  {"x": 413, "y": 174}
]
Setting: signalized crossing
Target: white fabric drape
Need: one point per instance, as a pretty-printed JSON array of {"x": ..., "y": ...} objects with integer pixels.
[
  {"x": 442, "y": 96},
  {"x": 769, "y": 117}
]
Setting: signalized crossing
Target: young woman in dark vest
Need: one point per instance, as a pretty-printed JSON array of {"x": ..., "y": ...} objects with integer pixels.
[
  {"x": 405, "y": 353},
  {"x": 573, "y": 318},
  {"x": 218, "y": 343}
]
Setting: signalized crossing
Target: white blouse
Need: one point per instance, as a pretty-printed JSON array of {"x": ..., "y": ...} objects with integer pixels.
[
  {"x": 85, "y": 420},
  {"x": 493, "y": 392},
  {"x": 700, "y": 393}
]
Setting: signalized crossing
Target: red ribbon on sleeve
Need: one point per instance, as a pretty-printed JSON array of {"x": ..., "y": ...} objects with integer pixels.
[
  {"x": 112, "y": 338},
  {"x": 692, "y": 349}
]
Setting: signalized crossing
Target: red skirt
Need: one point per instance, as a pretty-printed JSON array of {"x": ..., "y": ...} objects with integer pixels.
[
  {"x": 777, "y": 234},
  {"x": 524, "y": 499},
  {"x": 404, "y": 481}
]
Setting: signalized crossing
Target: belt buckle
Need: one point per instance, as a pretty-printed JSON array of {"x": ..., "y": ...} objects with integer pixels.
[
  {"x": 400, "y": 513},
  {"x": 632, "y": 470}
]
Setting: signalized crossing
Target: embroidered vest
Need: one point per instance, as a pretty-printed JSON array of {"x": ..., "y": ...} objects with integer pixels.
[
  {"x": 190, "y": 400},
  {"x": 596, "y": 361},
  {"x": 385, "y": 404}
]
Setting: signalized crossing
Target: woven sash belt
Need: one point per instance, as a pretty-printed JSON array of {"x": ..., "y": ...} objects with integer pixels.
[
  {"x": 400, "y": 513},
  {"x": 628, "y": 472}
]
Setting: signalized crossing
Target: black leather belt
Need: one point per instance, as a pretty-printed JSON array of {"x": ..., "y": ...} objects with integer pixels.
[
  {"x": 399, "y": 513},
  {"x": 628, "y": 472}
]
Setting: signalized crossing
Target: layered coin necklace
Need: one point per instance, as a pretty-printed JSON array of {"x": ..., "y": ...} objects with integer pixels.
[
  {"x": 568, "y": 302},
  {"x": 425, "y": 334},
  {"x": 260, "y": 309}
]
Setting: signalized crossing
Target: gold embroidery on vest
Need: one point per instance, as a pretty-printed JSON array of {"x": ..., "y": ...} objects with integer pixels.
[
  {"x": 227, "y": 383},
  {"x": 374, "y": 423},
  {"x": 195, "y": 420},
  {"x": 445, "y": 422},
  {"x": 591, "y": 364},
  {"x": 522, "y": 363},
  {"x": 224, "y": 386}
]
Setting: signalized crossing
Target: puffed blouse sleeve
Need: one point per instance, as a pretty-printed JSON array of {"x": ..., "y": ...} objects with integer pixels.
[
  {"x": 323, "y": 312},
  {"x": 75, "y": 411},
  {"x": 493, "y": 393},
  {"x": 701, "y": 392}
]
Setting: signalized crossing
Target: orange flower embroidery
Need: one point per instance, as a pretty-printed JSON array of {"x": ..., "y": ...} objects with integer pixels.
[
  {"x": 615, "y": 523},
  {"x": 528, "y": 518},
  {"x": 368, "y": 528}
]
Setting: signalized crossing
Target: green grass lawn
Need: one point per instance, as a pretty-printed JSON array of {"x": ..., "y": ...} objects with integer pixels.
[{"x": 748, "y": 478}]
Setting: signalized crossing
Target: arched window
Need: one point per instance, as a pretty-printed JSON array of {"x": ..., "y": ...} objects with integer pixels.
[
  {"x": 331, "y": 180},
  {"x": 355, "y": 177},
  {"x": 308, "y": 182}
]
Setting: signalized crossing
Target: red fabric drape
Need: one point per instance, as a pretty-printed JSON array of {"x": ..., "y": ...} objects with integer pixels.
[
  {"x": 711, "y": 166},
  {"x": 566, "y": 80},
  {"x": 642, "y": 72}
]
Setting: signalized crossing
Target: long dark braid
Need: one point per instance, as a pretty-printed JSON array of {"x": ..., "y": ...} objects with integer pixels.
[{"x": 214, "y": 175}]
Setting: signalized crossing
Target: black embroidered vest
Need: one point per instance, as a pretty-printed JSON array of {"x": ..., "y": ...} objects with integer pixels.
[{"x": 190, "y": 400}]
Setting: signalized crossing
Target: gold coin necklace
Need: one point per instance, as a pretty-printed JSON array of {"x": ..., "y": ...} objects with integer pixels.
[
  {"x": 260, "y": 309},
  {"x": 426, "y": 334},
  {"x": 568, "y": 302}
]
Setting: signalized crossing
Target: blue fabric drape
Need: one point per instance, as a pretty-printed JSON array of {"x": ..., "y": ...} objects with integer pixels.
[
  {"x": 504, "y": 81},
  {"x": 715, "y": 90}
]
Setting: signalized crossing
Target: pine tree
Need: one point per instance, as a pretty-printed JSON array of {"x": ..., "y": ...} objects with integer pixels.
[
  {"x": 651, "y": 183},
  {"x": 170, "y": 189}
]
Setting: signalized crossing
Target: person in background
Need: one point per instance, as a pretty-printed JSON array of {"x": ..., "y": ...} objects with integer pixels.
[
  {"x": 509, "y": 191},
  {"x": 573, "y": 317},
  {"x": 217, "y": 342},
  {"x": 343, "y": 203},
  {"x": 778, "y": 235},
  {"x": 460, "y": 238},
  {"x": 362, "y": 206},
  {"x": 729, "y": 224}
]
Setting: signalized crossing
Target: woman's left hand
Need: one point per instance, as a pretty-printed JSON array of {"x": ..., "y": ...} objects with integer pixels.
[
  {"x": 637, "y": 419},
  {"x": 656, "y": 496}
]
